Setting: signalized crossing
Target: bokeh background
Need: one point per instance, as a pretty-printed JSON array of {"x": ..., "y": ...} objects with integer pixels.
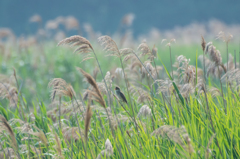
[{"x": 105, "y": 15}]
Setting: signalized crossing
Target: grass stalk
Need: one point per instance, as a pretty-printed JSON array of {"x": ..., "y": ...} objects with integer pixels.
[
  {"x": 156, "y": 68},
  {"x": 227, "y": 63},
  {"x": 225, "y": 109},
  {"x": 59, "y": 115},
  {"x": 107, "y": 91},
  {"x": 78, "y": 128},
  {"x": 126, "y": 82},
  {"x": 210, "y": 116},
  {"x": 171, "y": 60}
]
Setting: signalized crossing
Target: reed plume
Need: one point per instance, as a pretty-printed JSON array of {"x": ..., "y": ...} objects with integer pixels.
[
  {"x": 70, "y": 133},
  {"x": 144, "y": 49},
  {"x": 6, "y": 33},
  {"x": 128, "y": 19},
  {"x": 9, "y": 92},
  {"x": 144, "y": 111},
  {"x": 178, "y": 135},
  {"x": 107, "y": 152},
  {"x": 71, "y": 23},
  {"x": 64, "y": 89},
  {"x": 109, "y": 45},
  {"x": 216, "y": 67},
  {"x": 36, "y": 19},
  {"x": 61, "y": 88},
  {"x": 84, "y": 46},
  {"x": 225, "y": 38}
]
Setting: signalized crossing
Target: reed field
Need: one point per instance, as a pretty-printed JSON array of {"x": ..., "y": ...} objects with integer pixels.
[{"x": 60, "y": 99}]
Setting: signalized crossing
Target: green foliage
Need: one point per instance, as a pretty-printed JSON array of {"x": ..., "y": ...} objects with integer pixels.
[{"x": 127, "y": 141}]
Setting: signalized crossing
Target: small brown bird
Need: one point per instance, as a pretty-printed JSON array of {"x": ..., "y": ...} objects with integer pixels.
[{"x": 120, "y": 95}]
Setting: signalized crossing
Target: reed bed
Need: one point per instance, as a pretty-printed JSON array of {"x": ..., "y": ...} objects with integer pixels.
[{"x": 176, "y": 107}]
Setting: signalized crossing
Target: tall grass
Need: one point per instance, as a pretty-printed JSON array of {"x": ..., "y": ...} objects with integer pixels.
[{"x": 171, "y": 115}]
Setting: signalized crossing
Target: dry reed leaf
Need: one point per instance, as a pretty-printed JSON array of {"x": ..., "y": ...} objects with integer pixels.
[
  {"x": 5, "y": 126},
  {"x": 40, "y": 135},
  {"x": 97, "y": 94},
  {"x": 58, "y": 146},
  {"x": 95, "y": 72},
  {"x": 88, "y": 119}
]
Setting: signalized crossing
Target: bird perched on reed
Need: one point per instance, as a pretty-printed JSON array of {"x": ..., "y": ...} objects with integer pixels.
[{"x": 120, "y": 95}]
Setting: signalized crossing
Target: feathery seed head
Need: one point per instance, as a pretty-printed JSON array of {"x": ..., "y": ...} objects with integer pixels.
[
  {"x": 144, "y": 49},
  {"x": 36, "y": 18},
  {"x": 51, "y": 24},
  {"x": 84, "y": 46},
  {"x": 178, "y": 135},
  {"x": 225, "y": 38},
  {"x": 203, "y": 43},
  {"x": 9, "y": 92},
  {"x": 109, "y": 45},
  {"x": 128, "y": 19},
  {"x": 61, "y": 88},
  {"x": 108, "y": 147},
  {"x": 144, "y": 111},
  {"x": 71, "y": 23},
  {"x": 154, "y": 51}
]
